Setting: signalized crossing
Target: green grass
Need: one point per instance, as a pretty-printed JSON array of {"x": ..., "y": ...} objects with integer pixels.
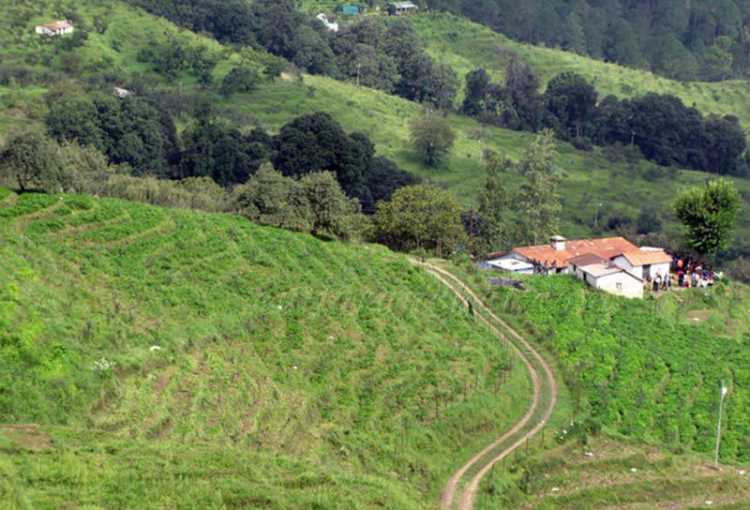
[
  {"x": 180, "y": 359},
  {"x": 647, "y": 369},
  {"x": 613, "y": 472},
  {"x": 589, "y": 178},
  {"x": 466, "y": 45}
]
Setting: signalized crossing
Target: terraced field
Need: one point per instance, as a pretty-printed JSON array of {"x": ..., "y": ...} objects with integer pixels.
[{"x": 153, "y": 357}]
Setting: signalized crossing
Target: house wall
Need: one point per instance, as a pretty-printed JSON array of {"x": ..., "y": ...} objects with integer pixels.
[
  {"x": 619, "y": 284},
  {"x": 638, "y": 271},
  {"x": 661, "y": 269}
]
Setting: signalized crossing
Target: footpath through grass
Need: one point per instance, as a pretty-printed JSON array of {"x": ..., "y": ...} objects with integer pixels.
[{"x": 171, "y": 358}]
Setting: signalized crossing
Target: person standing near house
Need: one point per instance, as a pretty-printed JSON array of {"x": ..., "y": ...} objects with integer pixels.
[{"x": 657, "y": 282}]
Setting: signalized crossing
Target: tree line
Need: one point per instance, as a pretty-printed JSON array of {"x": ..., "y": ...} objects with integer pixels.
[
  {"x": 412, "y": 217},
  {"x": 686, "y": 40},
  {"x": 383, "y": 54},
  {"x": 138, "y": 132},
  {"x": 658, "y": 127}
]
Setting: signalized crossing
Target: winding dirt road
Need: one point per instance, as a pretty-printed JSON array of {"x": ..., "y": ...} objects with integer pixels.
[{"x": 542, "y": 404}]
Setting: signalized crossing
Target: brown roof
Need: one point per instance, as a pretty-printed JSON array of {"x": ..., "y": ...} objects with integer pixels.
[
  {"x": 643, "y": 257},
  {"x": 587, "y": 260},
  {"x": 605, "y": 248}
]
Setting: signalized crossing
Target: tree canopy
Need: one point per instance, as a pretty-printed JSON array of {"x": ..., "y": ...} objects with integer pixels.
[
  {"x": 420, "y": 217},
  {"x": 709, "y": 215}
]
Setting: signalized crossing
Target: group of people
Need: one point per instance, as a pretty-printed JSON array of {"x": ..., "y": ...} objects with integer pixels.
[
  {"x": 689, "y": 273},
  {"x": 661, "y": 282}
]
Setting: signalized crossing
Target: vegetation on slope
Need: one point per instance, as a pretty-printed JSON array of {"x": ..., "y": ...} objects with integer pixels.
[
  {"x": 213, "y": 362},
  {"x": 704, "y": 39},
  {"x": 466, "y": 46},
  {"x": 601, "y": 472},
  {"x": 648, "y": 369},
  {"x": 598, "y": 194}
]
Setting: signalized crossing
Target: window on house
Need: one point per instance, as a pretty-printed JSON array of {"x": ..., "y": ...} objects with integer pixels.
[{"x": 619, "y": 286}]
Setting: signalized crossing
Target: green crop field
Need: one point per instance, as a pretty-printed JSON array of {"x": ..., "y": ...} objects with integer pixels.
[
  {"x": 592, "y": 188},
  {"x": 649, "y": 369},
  {"x": 154, "y": 358}
]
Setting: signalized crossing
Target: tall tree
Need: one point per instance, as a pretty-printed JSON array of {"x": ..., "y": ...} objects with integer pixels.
[
  {"x": 538, "y": 201},
  {"x": 33, "y": 161},
  {"x": 709, "y": 215},
  {"x": 494, "y": 206},
  {"x": 420, "y": 217},
  {"x": 572, "y": 100}
]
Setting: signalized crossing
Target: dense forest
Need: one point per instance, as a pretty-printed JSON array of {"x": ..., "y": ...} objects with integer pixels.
[{"x": 683, "y": 39}]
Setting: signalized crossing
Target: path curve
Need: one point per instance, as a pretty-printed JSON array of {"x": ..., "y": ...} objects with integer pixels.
[{"x": 544, "y": 385}]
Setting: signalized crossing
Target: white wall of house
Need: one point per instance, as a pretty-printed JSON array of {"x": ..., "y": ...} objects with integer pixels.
[
  {"x": 619, "y": 284},
  {"x": 642, "y": 271},
  {"x": 661, "y": 269}
]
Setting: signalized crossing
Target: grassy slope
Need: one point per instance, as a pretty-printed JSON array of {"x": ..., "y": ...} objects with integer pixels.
[
  {"x": 610, "y": 472},
  {"x": 590, "y": 179},
  {"x": 649, "y": 369},
  {"x": 288, "y": 370},
  {"x": 466, "y": 46}
]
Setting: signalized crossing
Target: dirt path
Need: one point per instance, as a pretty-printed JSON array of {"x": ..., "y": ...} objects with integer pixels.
[{"x": 542, "y": 405}]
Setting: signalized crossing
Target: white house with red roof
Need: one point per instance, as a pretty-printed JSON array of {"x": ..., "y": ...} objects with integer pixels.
[
  {"x": 612, "y": 264},
  {"x": 55, "y": 28}
]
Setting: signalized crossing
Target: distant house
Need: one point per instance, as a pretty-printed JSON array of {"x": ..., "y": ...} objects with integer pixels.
[
  {"x": 350, "y": 10},
  {"x": 332, "y": 26},
  {"x": 55, "y": 28},
  {"x": 612, "y": 264},
  {"x": 402, "y": 8},
  {"x": 122, "y": 93}
]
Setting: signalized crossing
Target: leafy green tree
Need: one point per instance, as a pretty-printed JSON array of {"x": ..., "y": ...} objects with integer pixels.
[
  {"x": 241, "y": 79},
  {"x": 312, "y": 52},
  {"x": 709, "y": 215},
  {"x": 269, "y": 198},
  {"x": 214, "y": 150},
  {"x": 329, "y": 206},
  {"x": 572, "y": 101},
  {"x": 316, "y": 142},
  {"x": 420, "y": 217},
  {"x": 538, "y": 201},
  {"x": 494, "y": 206},
  {"x": 432, "y": 137},
  {"x": 75, "y": 117},
  {"x": 33, "y": 160}
]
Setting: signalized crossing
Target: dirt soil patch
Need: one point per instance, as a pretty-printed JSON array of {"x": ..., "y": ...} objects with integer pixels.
[{"x": 26, "y": 437}]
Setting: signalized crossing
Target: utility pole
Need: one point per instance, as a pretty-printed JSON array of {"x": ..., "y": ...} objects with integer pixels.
[{"x": 724, "y": 391}]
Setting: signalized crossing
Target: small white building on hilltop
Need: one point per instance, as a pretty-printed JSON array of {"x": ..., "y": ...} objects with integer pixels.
[
  {"x": 332, "y": 26},
  {"x": 55, "y": 28}
]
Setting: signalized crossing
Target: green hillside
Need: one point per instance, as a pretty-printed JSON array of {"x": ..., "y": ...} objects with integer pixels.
[
  {"x": 154, "y": 358},
  {"x": 650, "y": 369},
  {"x": 466, "y": 45},
  {"x": 590, "y": 178},
  {"x": 606, "y": 472}
]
